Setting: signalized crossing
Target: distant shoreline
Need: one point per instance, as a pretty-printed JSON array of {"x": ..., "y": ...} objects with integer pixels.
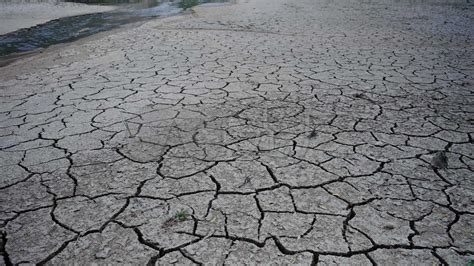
[{"x": 15, "y": 16}]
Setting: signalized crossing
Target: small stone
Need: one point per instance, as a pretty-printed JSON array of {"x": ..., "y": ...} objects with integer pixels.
[
  {"x": 388, "y": 227},
  {"x": 440, "y": 160}
]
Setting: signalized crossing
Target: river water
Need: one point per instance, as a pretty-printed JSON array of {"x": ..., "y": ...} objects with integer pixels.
[{"x": 72, "y": 28}]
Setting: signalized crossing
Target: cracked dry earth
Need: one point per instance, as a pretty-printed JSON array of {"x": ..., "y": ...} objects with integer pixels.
[{"x": 266, "y": 131}]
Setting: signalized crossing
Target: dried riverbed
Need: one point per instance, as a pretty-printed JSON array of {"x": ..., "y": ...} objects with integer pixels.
[{"x": 269, "y": 131}]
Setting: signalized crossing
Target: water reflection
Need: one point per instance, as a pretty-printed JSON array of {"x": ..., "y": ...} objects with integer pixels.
[{"x": 138, "y": 3}]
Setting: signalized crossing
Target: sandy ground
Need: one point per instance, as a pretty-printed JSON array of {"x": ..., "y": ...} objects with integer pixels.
[
  {"x": 266, "y": 132},
  {"x": 14, "y": 16}
]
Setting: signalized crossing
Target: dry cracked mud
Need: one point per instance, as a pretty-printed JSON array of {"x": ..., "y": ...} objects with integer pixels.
[{"x": 266, "y": 131}]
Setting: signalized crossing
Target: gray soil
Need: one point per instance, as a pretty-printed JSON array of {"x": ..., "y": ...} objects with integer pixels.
[{"x": 268, "y": 131}]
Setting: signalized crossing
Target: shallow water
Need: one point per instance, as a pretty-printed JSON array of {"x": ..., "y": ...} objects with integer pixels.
[{"x": 72, "y": 28}]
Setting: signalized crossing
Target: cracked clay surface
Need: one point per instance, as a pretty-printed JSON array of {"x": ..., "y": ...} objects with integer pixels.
[{"x": 266, "y": 131}]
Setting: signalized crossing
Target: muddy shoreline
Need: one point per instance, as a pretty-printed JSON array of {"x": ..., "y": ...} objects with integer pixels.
[{"x": 15, "y": 16}]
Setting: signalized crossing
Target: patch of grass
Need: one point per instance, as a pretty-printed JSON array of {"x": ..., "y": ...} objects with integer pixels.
[{"x": 181, "y": 216}]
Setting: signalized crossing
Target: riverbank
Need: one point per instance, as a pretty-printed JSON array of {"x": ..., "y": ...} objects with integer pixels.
[
  {"x": 15, "y": 16},
  {"x": 69, "y": 29}
]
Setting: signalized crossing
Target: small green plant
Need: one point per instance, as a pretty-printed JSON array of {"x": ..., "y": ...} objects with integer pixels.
[{"x": 181, "y": 215}]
